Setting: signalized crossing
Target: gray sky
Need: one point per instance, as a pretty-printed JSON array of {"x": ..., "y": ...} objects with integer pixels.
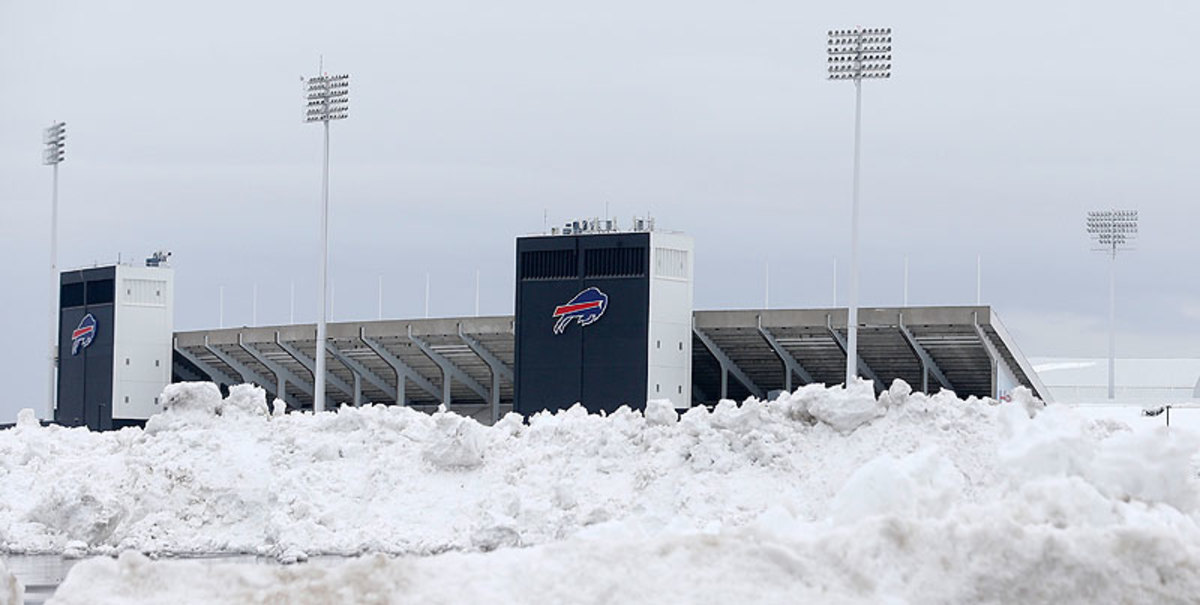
[{"x": 1002, "y": 124}]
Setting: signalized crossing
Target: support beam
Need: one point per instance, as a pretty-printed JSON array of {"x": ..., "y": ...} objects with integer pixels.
[
  {"x": 863, "y": 368},
  {"x": 250, "y": 375},
  {"x": 791, "y": 366},
  {"x": 993, "y": 355},
  {"x": 277, "y": 368},
  {"x": 213, "y": 372},
  {"x": 246, "y": 373},
  {"x": 727, "y": 367},
  {"x": 497, "y": 367},
  {"x": 360, "y": 370},
  {"x": 187, "y": 372},
  {"x": 281, "y": 372},
  {"x": 402, "y": 370},
  {"x": 928, "y": 365},
  {"x": 311, "y": 365},
  {"x": 488, "y": 357},
  {"x": 449, "y": 370}
]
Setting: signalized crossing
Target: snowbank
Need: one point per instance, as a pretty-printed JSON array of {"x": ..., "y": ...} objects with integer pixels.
[
  {"x": 973, "y": 556},
  {"x": 829, "y": 494},
  {"x": 222, "y": 475},
  {"x": 11, "y": 590}
]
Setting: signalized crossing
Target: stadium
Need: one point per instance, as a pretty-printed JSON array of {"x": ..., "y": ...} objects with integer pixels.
[{"x": 477, "y": 366}]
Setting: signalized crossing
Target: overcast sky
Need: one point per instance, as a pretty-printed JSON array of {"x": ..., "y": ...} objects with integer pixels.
[{"x": 1002, "y": 125}]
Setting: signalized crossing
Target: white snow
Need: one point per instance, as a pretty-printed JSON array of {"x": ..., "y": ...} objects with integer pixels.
[
  {"x": 823, "y": 494},
  {"x": 11, "y": 590}
]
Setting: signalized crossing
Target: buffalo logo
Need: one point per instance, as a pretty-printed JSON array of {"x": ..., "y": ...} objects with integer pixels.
[
  {"x": 83, "y": 335},
  {"x": 587, "y": 307}
]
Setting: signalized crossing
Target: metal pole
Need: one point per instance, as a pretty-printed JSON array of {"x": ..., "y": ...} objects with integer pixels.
[
  {"x": 978, "y": 279},
  {"x": 380, "y": 315},
  {"x": 835, "y": 281},
  {"x": 906, "y": 281},
  {"x": 1112, "y": 324},
  {"x": 292, "y": 304},
  {"x": 319, "y": 352},
  {"x": 852, "y": 322},
  {"x": 477, "y": 293},
  {"x": 767, "y": 285},
  {"x": 52, "y": 403},
  {"x": 1113, "y": 230},
  {"x": 854, "y": 55},
  {"x": 426, "y": 296},
  {"x": 220, "y": 306},
  {"x": 254, "y": 306}
]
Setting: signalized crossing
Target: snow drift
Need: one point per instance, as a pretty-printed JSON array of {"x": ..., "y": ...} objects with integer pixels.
[
  {"x": 11, "y": 590},
  {"x": 829, "y": 494}
]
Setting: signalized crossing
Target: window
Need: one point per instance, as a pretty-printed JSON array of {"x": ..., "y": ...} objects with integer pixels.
[
  {"x": 669, "y": 262},
  {"x": 71, "y": 295},
  {"x": 144, "y": 293},
  {"x": 549, "y": 264},
  {"x": 614, "y": 262},
  {"x": 100, "y": 292}
]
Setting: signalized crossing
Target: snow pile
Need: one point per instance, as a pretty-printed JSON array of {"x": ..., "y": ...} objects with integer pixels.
[
  {"x": 826, "y": 494},
  {"x": 11, "y": 590},
  {"x": 222, "y": 475},
  {"x": 981, "y": 555}
]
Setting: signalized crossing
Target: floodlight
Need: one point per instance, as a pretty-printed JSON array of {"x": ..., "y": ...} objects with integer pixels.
[
  {"x": 55, "y": 151},
  {"x": 327, "y": 98},
  {"x": 55, "y": 138},
  {"x": 1112, "y": 231},
  {"x": 857, "y": 54}
]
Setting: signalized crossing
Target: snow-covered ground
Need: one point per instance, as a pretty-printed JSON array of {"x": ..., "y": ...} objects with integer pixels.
[{"x": 824, "y": 494}]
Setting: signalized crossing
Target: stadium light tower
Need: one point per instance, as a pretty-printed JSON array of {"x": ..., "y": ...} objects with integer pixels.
[
  {"x": 1111, "y": 231},
  {"x": 327, "y": 99},
  {"x": 55, "y": 138},
  {"x": 857, "y": 54}
]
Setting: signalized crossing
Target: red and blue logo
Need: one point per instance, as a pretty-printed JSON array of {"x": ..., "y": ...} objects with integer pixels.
[
  {"x": 84, "y": 334},
  {"x": 587, "y": 307}
]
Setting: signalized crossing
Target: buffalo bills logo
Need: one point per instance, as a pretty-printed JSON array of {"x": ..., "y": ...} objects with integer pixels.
[
  {"x": 587, "y": 307},
  {"x": 83, "y": 335}
]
